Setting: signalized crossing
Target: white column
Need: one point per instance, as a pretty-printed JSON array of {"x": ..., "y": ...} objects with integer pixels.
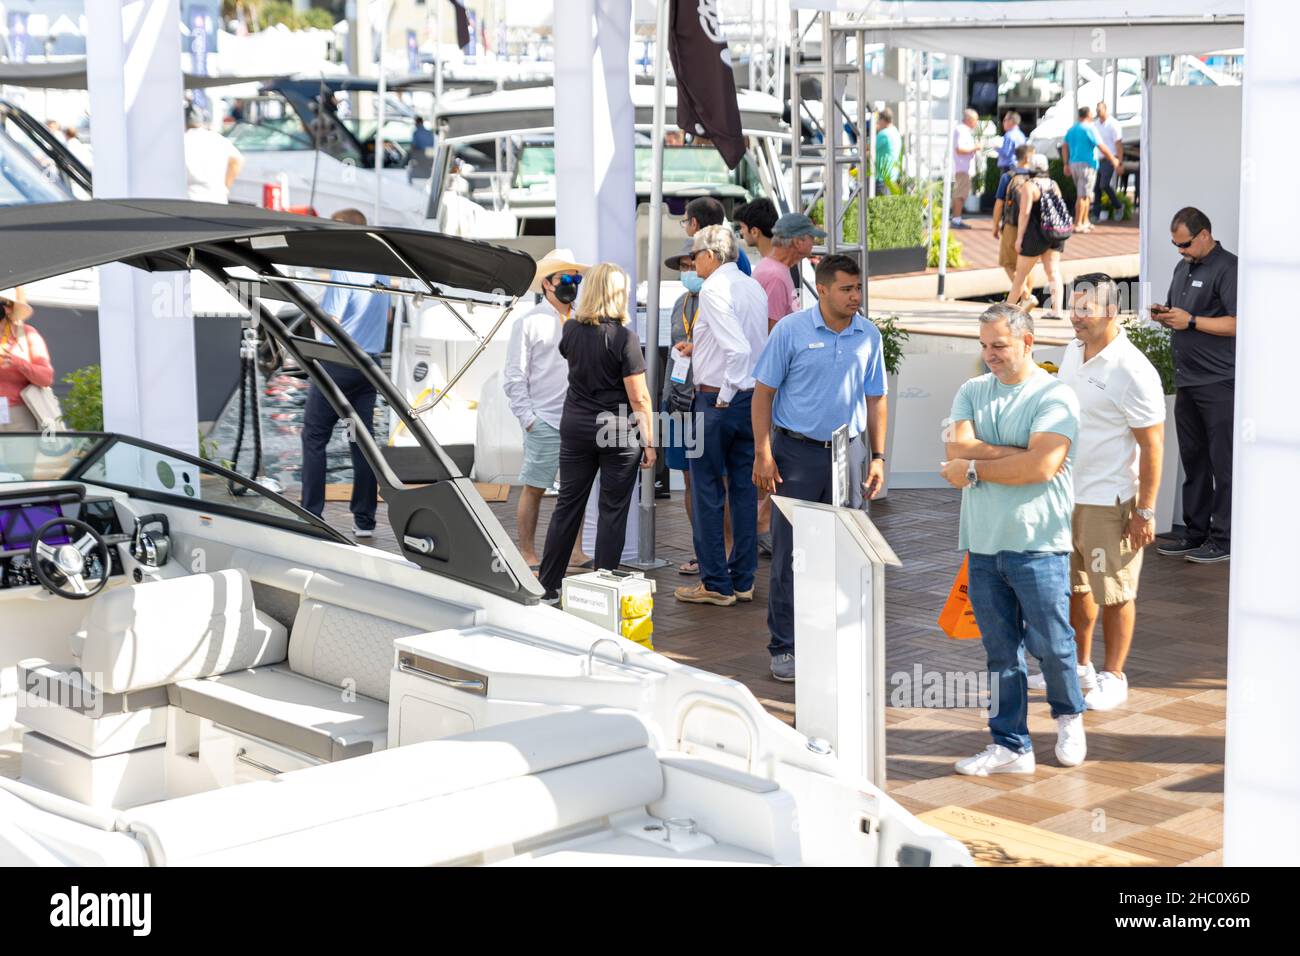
[
  {"x": 146, "y": 332},
  {"x": 595, "y": 168},
  {"x": 1261, "y": 823}
]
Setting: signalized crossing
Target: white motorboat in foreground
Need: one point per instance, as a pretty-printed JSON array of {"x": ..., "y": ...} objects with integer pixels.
[{"x": 199, "y": 672}]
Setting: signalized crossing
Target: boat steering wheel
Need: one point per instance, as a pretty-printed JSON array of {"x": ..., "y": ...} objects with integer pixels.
[{"x": 61, "y": 568}]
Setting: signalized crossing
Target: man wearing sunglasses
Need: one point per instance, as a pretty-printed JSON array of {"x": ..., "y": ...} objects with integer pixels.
[{"x": 1202, "y": 312}]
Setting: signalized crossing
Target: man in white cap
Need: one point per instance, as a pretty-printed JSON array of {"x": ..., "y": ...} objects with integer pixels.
[{"x": 536, "y": 381}]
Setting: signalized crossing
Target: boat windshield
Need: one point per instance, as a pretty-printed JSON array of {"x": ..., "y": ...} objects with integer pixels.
[
  {"x": 150, "y": 472},
  {"x": 22, "y": 179},
  {"x": 684, "y": 166}
]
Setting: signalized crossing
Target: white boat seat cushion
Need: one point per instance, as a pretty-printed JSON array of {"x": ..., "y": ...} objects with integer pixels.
[
  {"x": 431, "y": 802},
  {"x": 348, "y": 648},
  {"x": 153, "y": 634},
  {"x": 276, "y": 704}
]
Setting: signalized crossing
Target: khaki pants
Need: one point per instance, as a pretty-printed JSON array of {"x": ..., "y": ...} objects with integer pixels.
[{"x": 1103, "y": 561}]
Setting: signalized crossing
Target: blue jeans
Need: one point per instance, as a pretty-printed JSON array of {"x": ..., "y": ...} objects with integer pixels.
[
  {"x": 725, "y": 439},
  {"x": 318, "y": 421},
  {"x": 805, "y": 474},
  {"x": 1022, "y": 600},
  {"x": 1106, "y": 185}
]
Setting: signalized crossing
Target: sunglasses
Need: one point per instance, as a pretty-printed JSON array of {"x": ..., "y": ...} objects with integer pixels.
[
  {"x": 567, "y": 280},
  {"x": 1184, "y": 245}
]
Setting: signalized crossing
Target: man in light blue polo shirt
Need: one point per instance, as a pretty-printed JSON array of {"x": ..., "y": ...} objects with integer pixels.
[
  {"x": 364, "y": 317},
  {"x": 822, "y": 368},
  {"x": 1008, "y": 444}
]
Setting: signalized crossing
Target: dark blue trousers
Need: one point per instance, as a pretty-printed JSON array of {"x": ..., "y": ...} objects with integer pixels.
[
  {"x": 805, "y": 474},
  {"x": 725, "y": 440},
  {"x": 318, "y": 421}
]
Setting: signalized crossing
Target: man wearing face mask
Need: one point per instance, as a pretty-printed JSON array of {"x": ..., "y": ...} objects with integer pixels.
[
  {"x": 536, "y": 380},
  {"x": 679, "y": 386}
]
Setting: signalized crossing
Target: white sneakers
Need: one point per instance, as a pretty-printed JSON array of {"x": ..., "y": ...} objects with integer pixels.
[
  {"x": 1087, "y": 678},
  {"x": 1071, "y": 743},
  {"x": 997, "y": 759},
  {"x": 1111, "y": 691}
]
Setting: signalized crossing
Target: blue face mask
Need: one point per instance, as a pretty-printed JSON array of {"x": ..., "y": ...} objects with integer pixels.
[{"x": 692, "y": 281}]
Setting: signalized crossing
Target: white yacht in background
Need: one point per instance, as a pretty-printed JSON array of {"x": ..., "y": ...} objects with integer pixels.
[{"x": 195, "y": 671}]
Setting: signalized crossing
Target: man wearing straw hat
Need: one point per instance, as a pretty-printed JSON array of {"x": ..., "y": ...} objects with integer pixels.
[{"x": 536, "y": 381}]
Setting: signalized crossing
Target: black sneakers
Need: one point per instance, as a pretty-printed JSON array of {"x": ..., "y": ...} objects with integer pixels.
[
  {"x": 552, "y": 598},
  {"x": 1208, "y": 553},
  {"x": 1180, "y": 546}
]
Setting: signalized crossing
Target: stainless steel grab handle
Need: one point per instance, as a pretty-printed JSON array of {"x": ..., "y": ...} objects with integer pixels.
[
  {"x": 242, "y": 754},
  {"x": 591, "y": 652},
  {"x": 474, "y": 686}
]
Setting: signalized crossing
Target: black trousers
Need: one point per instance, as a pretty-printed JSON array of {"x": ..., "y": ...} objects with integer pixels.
[
  {"x": 580, "y": 461},
  {"x": 1203, "y": 414},
  {"x": 318, "y": 421}
]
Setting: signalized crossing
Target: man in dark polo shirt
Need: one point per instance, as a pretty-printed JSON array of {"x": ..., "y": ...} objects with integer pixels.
[{"x": 1202, "y": 312}]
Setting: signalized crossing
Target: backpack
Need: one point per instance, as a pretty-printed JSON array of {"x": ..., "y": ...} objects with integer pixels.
[
  {"x": 1054, "y": 218},
  {"x": 1011, "y": 208}
]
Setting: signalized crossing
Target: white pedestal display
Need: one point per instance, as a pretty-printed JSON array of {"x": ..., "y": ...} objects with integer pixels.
[{"x": 1169, "y": 503}]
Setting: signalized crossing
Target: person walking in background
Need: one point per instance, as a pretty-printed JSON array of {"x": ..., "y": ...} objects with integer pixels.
[
  {"x": 1079, "y": 156},
  {"x": 1032, "y": 245},
  {"x": 364, "y": 317},
  {"x": 1006, "y": 216},
  {"x": 1201, "y": 309},
  {"x": 729, "y": 334},
  {"x": 823, "y": 367},
  {"x": 212, "y": 162},
  {"x": 1117, "y": 459},
  {"x": 24, "y": 361},
  {"x": 1012, "y": 139},
  {"x": 536, "y": 380},
  {"x": 889, "y": 148},
  {"x": 964, "y": 153},
  {"x": 705, "y": 211},
  {"x": 1111, "y": 136},
  {"x": 597, "y": 432},
  {"x": 1008, "y": 443}
]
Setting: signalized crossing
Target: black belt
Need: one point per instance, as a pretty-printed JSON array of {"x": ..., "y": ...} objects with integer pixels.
[{"x": 798, "y": 436}]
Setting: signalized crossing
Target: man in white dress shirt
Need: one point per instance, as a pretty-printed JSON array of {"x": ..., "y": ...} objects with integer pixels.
[
  {"x": 1109, "y": 174},
  {"x": 1116, "y": 476},
  {"x": 536, "y": 379},
  {"x": 729, "y": 334}
]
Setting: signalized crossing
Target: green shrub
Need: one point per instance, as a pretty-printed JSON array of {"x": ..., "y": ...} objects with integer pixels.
[
  {"x": 893, "y": 222},
  {"x": 892, "y": 338},
  {"x": 83, "y": 406},
  {"x": 1153, "y": 341},
  {"x": 991, "y": 176},
  {"x": 955, "y": 258}
]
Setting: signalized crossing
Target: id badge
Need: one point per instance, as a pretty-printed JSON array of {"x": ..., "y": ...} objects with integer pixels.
[
  {"x": 681, "y": 368},
  {"x": 4, "y": 411}
]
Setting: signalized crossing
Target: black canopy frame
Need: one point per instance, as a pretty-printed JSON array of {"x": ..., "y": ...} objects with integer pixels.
[{"x": 438, "y": 518}]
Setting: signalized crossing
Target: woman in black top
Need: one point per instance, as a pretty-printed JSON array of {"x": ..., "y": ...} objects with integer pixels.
[
  {"x": 1031, "y": 244},
  {"x": 605, "y": 424}
]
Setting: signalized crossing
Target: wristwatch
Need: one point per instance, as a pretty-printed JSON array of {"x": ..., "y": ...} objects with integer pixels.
[
  {"x": 1191, "y": 322},
  {"x": 972, "y": 477},
  {"x": 1146, "y": 514},
  {"x": 877, "y": 456}
]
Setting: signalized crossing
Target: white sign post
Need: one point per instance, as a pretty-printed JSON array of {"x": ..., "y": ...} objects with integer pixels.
[{"x": 839, "y": 628}]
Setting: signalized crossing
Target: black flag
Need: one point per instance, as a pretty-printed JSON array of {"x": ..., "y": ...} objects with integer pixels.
[
  {"x": 462, "y": 24},
  {"x": 706, "y": 88}
]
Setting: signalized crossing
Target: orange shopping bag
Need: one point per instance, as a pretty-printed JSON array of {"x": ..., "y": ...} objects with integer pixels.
[{"x": 957, "y": 619}]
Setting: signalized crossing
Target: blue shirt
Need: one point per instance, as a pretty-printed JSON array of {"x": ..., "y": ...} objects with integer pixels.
[
  {"x": 1082, "y": 142},
  {"x": 822, "y": 378},
  {"x": 1005, "y": 180},
  {"x": 1017, "y": 517},
  {"x": 422, "y": 138},
  {"x": 742, "y": 262},
  {"x": 1007, "y": 152},
  {"x": 363, "y": 315}
]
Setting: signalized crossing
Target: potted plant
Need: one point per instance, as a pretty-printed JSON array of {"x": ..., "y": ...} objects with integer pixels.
[
  {"x": 896, "y": 236},
  {"x": 892, "y": 337},
  {"x": 1153, "y": 341}
]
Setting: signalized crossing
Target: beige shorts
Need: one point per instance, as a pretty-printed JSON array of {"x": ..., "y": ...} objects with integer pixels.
[
  {"x": 960, "y": 186},
  {"x": 1103, "y": 562},
  {"x": 1007, "y": 248}
]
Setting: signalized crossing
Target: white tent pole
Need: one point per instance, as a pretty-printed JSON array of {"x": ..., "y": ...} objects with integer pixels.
[
  {"x": 646, "y": 542},
  {"x": 385, "y": 11},
  {"x": 437, "y": 54},
  {"x": 954, "y": 63}
]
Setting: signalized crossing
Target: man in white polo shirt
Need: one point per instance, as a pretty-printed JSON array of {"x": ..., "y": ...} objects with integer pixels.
[{"x": 1116, "y": 477}]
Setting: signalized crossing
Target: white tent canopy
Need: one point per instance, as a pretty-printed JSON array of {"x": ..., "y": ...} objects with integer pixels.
[{"x": 1045, "y": 29}]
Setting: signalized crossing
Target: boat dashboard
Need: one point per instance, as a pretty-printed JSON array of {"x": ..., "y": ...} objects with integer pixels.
[{"x": 23, "y": 511}]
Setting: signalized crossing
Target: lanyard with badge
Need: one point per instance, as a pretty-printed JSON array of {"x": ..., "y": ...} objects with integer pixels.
[{"x": 682, "y": 363}]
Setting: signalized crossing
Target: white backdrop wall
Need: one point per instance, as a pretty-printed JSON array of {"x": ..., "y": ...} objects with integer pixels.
[{"x": 1193, "y": 146}]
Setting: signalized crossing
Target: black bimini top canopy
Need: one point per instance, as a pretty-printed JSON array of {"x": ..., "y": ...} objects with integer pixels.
[{"x": 43, "y": 240}]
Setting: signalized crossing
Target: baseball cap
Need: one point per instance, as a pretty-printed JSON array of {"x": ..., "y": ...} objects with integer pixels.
[{"x": 795, "y": 224}]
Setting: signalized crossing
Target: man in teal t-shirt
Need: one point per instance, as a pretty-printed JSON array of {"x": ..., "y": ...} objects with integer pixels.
[
  {"x": 889, "y": 146},
  {"x": 1008, "y": 444},
  {"x": 1079, "y": 156}
]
